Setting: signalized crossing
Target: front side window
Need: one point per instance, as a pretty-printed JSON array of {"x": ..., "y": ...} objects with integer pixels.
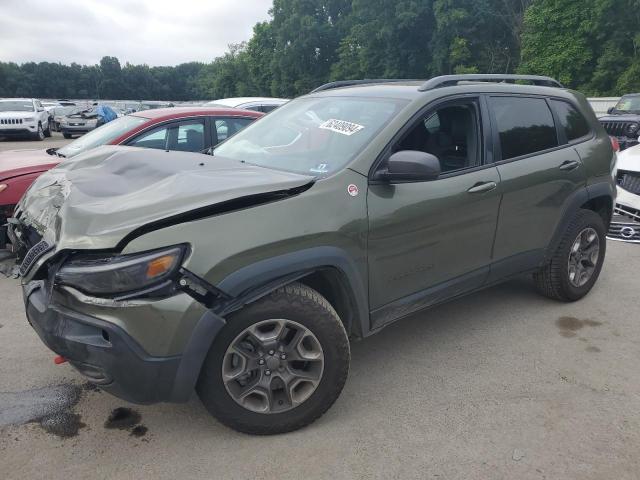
[
  {"x": 312, "y": 135},
  {"x": 102, "y": 135},
  {"x": 450, "y": 133},
  {"x": 571, "y": 120},
  {"x": 525, "y": 125},
  {"x": 184, "y": 136}
]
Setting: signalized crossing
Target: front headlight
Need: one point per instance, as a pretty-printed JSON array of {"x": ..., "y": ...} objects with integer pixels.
[
  {"x": 3, "y": 187},
  {"x": 632, "y": 129},
  {"x": 28, "y": 119},
  {"x": 116, "y": 274}
]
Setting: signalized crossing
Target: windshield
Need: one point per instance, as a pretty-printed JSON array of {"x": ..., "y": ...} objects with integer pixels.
[
  {"x": 315, "y": 136},
  {"x": 101, "y": 135},
  {"x": 629, "y": 104},
  {"x": 16, "y": 106}
]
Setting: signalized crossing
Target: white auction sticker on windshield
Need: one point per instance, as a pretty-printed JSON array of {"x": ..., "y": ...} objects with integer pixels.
[{"x": 341, "y": 126}]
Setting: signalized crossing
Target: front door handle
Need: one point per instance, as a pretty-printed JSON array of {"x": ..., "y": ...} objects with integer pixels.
[
  {"x": 569, "y": 165},
  {"x": 482, "y": 187}
]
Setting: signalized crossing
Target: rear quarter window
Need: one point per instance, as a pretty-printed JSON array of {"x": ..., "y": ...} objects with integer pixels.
[
  {"x": 572, "y": 122},
  {"x": 525, "y": 125}
]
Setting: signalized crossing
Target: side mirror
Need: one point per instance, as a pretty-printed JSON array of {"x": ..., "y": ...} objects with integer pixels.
[
  {"x": 410, "y": 166},
  {"x": 610, "y": 110}
]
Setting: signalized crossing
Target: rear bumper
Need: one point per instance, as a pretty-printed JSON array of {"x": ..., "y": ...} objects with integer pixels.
[{"x": 108, "y": 357}]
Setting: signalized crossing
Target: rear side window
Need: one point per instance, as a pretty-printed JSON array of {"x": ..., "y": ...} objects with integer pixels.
[
  {"x": 525, "y": 125},
  {"x": 571, "y": 120}
]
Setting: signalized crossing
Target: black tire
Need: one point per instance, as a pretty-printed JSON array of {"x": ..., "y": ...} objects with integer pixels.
[
  {"x": 39, "y": 135},
  {"x": 47, "y": 132},
  {"x": 298, "y": 303},
  {"x": 66, "y": 135},
  {"x": 553, "y": 279}
]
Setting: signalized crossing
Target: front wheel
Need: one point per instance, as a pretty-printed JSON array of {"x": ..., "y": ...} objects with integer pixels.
[
  {"x": 66, "y": 135},
  {"x": 278, "y": 364},
  {"x": 576, "y": 263},
  {"x": 47, "y": 132},
  {"x": 39, "y": 135}
]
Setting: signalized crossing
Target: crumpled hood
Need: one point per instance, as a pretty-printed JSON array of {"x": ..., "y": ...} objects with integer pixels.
[{"x": 95, "y": 200}]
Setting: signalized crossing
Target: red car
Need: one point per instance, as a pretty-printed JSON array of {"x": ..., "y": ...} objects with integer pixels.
[{"x": 192, "y": 129}]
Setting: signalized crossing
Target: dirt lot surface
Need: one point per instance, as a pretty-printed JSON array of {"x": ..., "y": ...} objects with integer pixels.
[
  {"x": 502, "y": 384},
  {"x": 56, "y": 140}
]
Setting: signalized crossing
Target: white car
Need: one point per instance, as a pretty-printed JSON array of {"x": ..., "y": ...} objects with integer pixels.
[
  {"x": 625, "y": 224},
  {"x": 23, "y": 117},
  {"x": 258, "y": 104}
]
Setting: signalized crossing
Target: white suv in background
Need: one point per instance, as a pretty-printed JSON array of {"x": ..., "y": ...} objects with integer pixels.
[{"x": 23, "y": 117}]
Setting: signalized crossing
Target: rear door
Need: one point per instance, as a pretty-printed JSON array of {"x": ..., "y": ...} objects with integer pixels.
[
  {"x": 539, "y": 172},
  {"x": 432, "y": 240}
]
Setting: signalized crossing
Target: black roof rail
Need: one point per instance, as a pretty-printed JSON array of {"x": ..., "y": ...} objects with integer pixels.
[
  {"x": 349, "y": 83},
  {"x": 451, "y": 80}
]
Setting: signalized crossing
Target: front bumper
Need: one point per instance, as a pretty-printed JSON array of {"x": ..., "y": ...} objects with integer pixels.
[
  {"x": 110, "y": 358},
  {"x": 76, "y": 128}
]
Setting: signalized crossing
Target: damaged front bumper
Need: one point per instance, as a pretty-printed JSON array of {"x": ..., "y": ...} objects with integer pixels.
[{"x": 110, "y": 357}]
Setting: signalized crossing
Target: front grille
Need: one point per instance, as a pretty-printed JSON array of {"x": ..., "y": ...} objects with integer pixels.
[
  {"x": 10, "y": 121},
  {"x": 617, "y": 129},
  {"x": 626, "y": 232},
  {"x": 630, "y": 181},
  {"x": 32, "y": 255},
  {"x": 628, "y": 212}
]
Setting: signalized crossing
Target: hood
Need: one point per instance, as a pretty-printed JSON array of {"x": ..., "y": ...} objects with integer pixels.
[
  {"x": 626, "y": 117},
  {"x": 111, "y": 192},
  {"x": 14, "y": 163},
  {"x": 17, "y": 114},
  {"x": 629, "y": 159}
]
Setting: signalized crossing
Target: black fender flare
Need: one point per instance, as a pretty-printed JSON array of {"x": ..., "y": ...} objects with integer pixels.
[
  {"x": 254, "y": 281},
  {"x": 571, "y": 207}
]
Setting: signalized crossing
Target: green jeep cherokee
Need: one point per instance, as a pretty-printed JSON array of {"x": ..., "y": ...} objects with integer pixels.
[{"x": 244, "y": 274}]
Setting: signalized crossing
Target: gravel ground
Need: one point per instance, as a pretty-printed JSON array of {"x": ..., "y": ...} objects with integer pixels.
[{"x": 503, "y": 384}]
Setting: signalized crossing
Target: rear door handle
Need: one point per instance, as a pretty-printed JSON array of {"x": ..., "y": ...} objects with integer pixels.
[
  {"x": 482, "y": 187},
  {"x": 569, "y": 165}
]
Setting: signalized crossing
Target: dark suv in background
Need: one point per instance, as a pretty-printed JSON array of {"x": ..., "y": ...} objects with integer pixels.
[
  {"x": 623, "y": 121},
  {"x": 244, "y": 274}
]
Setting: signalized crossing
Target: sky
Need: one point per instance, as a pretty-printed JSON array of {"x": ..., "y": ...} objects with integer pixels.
[{"x": 155, "y": 32}]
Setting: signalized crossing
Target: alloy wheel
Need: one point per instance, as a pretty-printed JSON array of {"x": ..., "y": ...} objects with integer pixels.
[
  {"x": 273, "y": 366},
  {"x": 583, "y": 257}
]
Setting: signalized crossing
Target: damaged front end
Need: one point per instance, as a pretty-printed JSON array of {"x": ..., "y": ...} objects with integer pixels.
[{"x": 137, "y": 323}]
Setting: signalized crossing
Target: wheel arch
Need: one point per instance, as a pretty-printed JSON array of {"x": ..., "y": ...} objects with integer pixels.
[
  {"x": 598, "y": 197},
  {"x": 329, "y": 270}
]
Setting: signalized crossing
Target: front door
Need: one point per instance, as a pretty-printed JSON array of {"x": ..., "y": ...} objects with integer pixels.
[{"x": 432, "y": 240}]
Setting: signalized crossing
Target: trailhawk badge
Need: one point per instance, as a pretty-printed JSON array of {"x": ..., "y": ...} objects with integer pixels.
[{"x": 352, "y": 190}]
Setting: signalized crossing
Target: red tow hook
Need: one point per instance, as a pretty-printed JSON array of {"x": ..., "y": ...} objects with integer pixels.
[{"x": 59, "y": 360}]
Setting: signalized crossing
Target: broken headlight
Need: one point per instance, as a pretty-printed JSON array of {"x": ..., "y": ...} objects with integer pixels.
[{"x": 116, "y": 274}]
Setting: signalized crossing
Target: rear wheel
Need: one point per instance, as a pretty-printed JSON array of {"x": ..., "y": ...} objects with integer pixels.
[
  {"x": 278, "y": 365},
  {"x": 576, "y": 263}
]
